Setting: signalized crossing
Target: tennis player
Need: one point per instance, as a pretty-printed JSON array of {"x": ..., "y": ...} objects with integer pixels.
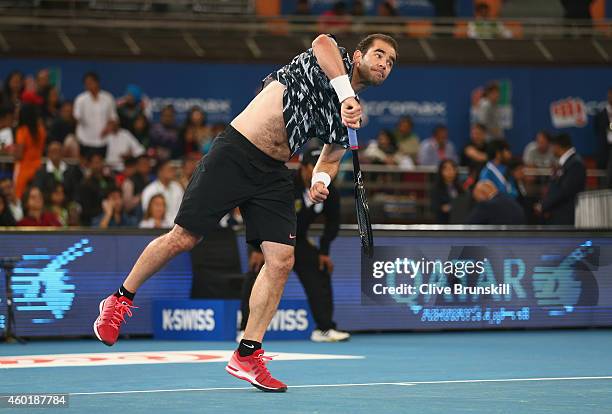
[{"x": 313, "y": 96}]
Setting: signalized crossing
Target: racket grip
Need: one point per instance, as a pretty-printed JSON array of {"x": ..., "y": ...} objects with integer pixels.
[{"x": 352, "y": 134}]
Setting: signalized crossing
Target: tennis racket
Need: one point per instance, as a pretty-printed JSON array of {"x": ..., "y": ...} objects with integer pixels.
[{"x": 361, "y": 202}]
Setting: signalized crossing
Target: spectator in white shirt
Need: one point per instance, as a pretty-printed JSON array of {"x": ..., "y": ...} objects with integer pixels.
[
  {"x": 437, "y": 148},
  {"x": 155, "y": 215},
  {"x": 121, "y": 144},
  {"x": 538, "y": 153},
  {"x": 384, "y": 150},
  {"x": 96, "y": 116},
  {"x": 6, "y": 130},
  {"x": 166, "y": 185},
  {"x": 488, "y": 112},
  {"x": 484, "y": 25}
]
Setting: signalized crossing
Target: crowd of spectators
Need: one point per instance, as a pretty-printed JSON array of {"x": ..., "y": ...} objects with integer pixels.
[
  {"x": 495, "y": 176},
  {"x": 125, "y": 174},
  {"x": 496, "y": 189},
  {"x": 495, "y": 186}
]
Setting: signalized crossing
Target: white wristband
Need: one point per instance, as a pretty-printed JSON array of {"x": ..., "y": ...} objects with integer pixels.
[
  {"x": 321, "y": 177},
  {"x": 343, "y": 88}
]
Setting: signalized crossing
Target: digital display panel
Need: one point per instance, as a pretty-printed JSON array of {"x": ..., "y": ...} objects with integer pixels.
[{"x": 552, "y": 280}]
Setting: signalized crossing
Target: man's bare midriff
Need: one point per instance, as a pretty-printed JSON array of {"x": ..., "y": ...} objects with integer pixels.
[{"x": 262, "y": 122}]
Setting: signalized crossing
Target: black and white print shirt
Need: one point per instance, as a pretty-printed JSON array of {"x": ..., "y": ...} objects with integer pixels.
[{"x": 310, "y": 105}]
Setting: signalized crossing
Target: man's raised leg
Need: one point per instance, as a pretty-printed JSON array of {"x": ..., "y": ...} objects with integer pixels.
[
  {"x": 248, "y": 362},
  {"x": 159, "y": 252}
]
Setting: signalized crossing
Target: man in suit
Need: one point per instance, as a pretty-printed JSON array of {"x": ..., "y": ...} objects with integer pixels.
[
  {"x": 603, "y": 133},
  {"x": 568, "y": 180},
  {"x": 494, "y": 206}
]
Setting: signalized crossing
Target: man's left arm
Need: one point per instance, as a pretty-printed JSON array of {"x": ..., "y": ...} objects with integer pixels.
[{"x": 325, "y": 171}]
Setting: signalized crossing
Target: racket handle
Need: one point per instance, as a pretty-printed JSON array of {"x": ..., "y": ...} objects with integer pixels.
[{"x": 352, "y": 134}]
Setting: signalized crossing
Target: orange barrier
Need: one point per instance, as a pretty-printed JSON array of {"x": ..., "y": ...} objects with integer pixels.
[
  {"x": 598, "y": 9},
  {"x": 268, "y": 7},
  {"x": 461, "y": 29},
  {"x": 516, "y": 28},
  {"x": 419, "y": 28}
]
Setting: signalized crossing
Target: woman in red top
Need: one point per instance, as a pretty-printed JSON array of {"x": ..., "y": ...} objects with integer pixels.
[
  {"x": 34, "y": 213},
  {"x": 30, "y": 143}
]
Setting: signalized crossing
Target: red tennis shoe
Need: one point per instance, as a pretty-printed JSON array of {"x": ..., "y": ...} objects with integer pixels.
[
  {"x": 253, "y": 369},
  {"x": 112, "y": 313}
]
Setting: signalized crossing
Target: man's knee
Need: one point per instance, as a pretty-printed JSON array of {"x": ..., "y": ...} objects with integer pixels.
[
  {"x": 181, "y": 240},
  {"x": 280, "y": 262}
]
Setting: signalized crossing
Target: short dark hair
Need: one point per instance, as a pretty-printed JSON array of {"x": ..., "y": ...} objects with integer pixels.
[
  {"x": 162, "y": 164},
  {"x": 495, "y": 146},
  {"x": 112, "y": 189},
  {"x": 129, "y": 162},
  {"x": 407, "y": 118},
  {"x": 490, "y": 87},
  {"x": 438, "y": 128},
  {"x": 92, "y": 75},
  {"x": 515, "y": 163},
  {"x": 339, "y": 6},
  {"x": 480, "y": 126},
  {"x": 92, "y": 155},
  {"x": 366, "y": 43},
  {"x": 545, "y": 134},
  {"x": 480, "y": 6},
  {"x": 6, "y": 109},
  {"x": 563, "y": 140}
]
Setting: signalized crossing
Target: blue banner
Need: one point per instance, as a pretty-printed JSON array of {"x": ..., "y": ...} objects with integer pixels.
[
  {"x": 203, "y": 320},
  {"x": 292, "y": 320},
  {"x": 552, "y": 280},
  {"x": 217, "y": 320},
  {"x": 466, "y": 284}
]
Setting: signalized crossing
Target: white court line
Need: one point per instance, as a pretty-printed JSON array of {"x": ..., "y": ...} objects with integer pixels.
[{"x": 368, "y": 384}]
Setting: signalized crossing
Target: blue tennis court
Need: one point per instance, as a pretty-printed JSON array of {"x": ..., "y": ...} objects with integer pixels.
[{"x": 567, "y": 371}]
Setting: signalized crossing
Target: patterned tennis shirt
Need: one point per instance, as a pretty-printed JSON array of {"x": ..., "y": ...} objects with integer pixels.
[{"x": 310, "y": 105}]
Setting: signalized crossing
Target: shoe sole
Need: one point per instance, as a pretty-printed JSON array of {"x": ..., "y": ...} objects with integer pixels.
[
  {"x": 234, "y": 372},
  {"x": 95, "y": 327},
  {"x": 330, "y": 340}
]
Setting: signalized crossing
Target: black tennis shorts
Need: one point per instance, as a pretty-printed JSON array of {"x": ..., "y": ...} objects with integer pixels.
[{"x": 235, "y": 173}]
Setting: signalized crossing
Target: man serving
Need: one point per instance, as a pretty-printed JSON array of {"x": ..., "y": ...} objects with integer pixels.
[{"x": 313, "y": 96}]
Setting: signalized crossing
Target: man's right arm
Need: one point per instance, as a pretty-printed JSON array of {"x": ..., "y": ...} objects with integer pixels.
[
  {"x": 328, "y": 56},
  {"x": 325, "y": 50}
]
